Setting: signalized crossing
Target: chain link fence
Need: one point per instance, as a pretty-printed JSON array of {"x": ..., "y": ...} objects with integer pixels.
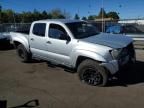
[
  {"x": 137, "y": 30},
  {"x": 8, "y": 27},
  {"x": 133, "y": 30}
]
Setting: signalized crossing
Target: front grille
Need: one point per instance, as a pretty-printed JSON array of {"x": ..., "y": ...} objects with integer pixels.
[
  {"x": 126, "y": 53},
  {"x": 131, "y": 51}
]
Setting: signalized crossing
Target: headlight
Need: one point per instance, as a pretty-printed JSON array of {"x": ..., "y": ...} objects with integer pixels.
[{"x": 115, "y": 53}]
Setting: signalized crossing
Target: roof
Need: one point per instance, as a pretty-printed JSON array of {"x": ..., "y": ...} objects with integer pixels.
[{"x": 61, "y": 20}]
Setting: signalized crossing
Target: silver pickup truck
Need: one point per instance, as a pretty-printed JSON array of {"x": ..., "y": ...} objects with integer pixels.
[{"x": 78, "y": 45}]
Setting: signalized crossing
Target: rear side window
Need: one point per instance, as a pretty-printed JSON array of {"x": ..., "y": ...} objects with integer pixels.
[{"x": 39, "y": 29}]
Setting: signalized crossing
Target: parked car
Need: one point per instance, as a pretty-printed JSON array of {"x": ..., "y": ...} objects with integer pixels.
[
  {"x": 77, "y": 45},
  {"x": 128, "y": 30},
  {"x": 5, "y": 40}
]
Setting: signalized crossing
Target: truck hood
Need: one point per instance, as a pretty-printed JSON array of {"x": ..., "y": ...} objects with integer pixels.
[{"x": 110, "y": 40}]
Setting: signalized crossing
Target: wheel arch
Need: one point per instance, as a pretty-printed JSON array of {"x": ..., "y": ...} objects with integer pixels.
[
  {"x": 80, "y": 55},
  {"x": 89, "y": 64},
  {"x": 80, "y": 59},
  {"x": 16, "y": 43}
]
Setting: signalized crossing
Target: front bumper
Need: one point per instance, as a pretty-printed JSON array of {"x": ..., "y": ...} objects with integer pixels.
[
  {"x": 126, "y": 56},
  {"x": 115, "y": 65},
  {"x": 111, "y": 66}
]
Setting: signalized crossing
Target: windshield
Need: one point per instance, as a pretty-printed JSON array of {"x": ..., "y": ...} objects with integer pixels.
[{"x": 82, "y": 29}]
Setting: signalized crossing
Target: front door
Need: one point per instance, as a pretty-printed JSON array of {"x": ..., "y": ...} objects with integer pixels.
[{"x": 59, "y": 44}]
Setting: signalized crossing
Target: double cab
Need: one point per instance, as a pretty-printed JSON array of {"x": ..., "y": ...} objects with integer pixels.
[{"x": 78, "y": 45}]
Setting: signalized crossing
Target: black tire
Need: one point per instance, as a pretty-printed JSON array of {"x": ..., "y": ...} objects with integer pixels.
[
  {"x": 92, "y": 73},
  {"x": 23, "y": 54}
]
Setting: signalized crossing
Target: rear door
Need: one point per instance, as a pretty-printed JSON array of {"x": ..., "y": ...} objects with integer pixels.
[{"x": 38, "y": 40}]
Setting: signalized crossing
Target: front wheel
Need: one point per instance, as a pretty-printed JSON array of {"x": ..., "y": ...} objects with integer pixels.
[
  {"x": 91, "y": 73},
  {"x": 23, "y": 54}
]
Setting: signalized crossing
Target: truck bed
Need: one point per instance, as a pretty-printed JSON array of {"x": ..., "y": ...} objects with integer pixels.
[
  {"x": 22, "y": 31},
  {"x": 19, "y": 35}
]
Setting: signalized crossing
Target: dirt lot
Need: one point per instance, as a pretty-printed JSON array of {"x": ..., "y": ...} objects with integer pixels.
[{"x": 56, "y": 88}]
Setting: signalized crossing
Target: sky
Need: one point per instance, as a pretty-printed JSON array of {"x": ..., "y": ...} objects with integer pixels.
[{"x": 127, "y": 9}]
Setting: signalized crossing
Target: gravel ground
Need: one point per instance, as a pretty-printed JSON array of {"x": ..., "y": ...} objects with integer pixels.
[{"x": 56, "y": 88}]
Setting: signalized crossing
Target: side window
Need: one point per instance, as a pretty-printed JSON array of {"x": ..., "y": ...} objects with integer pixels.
[
  {"x": 39, "y": 29},
  {"x": 57, "y": 32}
]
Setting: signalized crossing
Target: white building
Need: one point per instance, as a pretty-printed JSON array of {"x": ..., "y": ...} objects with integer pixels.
[{"x": 132, "y": 21}]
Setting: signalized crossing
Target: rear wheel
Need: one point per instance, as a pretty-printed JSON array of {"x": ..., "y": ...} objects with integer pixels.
[
  {"x": 23, "y": 54},
  {"x": 91, "y": 73}
]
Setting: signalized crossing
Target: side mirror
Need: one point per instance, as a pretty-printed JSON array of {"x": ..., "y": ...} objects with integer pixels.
[
  {"x": 65, "y": 37},
  {"x": 68, "y": 38}
]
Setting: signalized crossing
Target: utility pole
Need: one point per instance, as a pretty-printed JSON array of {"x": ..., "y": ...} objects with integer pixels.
[
  {"x": 14, "y": 20},
  {"x": 78, "y": 11},
  {"x": 102, "y": 17},
  {"x": 0, "y": 13},
  {"x": 89, "y": 11}
]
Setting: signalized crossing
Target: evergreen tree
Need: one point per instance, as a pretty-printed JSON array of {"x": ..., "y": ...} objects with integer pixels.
[
  {"x": 102, "y": 13},
  {"x": 76, "y": 16},
  {"x": 113, "y": 15},
  {"x": 84, "y": 18},
  {"x": 91, "y": 17}
]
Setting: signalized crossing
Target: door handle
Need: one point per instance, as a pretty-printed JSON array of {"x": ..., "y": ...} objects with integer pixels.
[
  {"x": 32, "y": 39},
  {"x": 49, "y": 42}
]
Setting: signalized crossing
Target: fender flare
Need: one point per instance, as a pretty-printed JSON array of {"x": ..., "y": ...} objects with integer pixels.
[{"x": 87, "y": 54}]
